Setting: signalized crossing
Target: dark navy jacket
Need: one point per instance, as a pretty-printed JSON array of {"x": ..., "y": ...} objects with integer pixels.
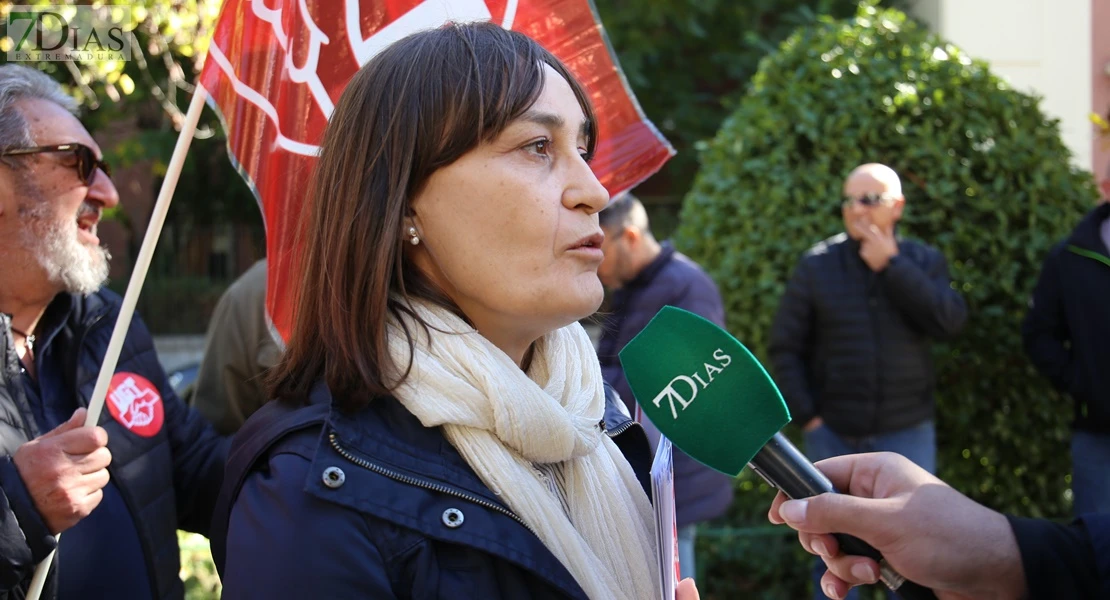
[
  {"x": 1067, "y": 329},
  {"x": 168, "y": 480},
  {"x": 321, "y": 504},
  {"x": 671, "y": 279},
  {"x": 1065, "y": 561},
  {"x": 853, "y": 346}
]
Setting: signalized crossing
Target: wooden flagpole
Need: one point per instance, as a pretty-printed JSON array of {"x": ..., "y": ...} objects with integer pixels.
[{"x": 134, "y": 287}]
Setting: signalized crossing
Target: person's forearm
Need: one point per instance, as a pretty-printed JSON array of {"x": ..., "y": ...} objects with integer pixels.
[{"x": 928, "y": 302}]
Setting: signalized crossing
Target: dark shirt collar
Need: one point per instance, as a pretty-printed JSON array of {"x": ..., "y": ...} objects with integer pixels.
[
  {"x": 53, "y": 320},
  {"x": 1087, "y": 234},
  {"x": 649, "y": 272}
]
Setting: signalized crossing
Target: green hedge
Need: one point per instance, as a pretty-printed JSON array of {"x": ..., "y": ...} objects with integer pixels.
[{"x": 987, "y": 180}]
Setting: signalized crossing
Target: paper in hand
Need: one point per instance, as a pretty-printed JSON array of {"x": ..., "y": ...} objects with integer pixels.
[{"x": 666, "y": 529}]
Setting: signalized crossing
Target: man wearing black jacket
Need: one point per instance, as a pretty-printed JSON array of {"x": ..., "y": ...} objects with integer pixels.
[
  {"x": 850, "y": 343},
  {"x": 119, "y": 491},
  {"x": 1067, "y": 337}
]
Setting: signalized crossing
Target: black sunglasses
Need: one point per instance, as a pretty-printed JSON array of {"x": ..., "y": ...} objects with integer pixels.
[
  {"x": 869, "y": 199},
  {"x": 87, "y": 162}
]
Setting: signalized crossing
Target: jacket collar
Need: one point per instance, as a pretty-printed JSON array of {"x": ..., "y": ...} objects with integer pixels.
[
  {"x": 648, "y": 273},
  {"x": 387, "y": 432},
  {"x": 1086, "y": 235},
  {"x": 384, "y": 444},
  {"x": 415, "y": 474}
]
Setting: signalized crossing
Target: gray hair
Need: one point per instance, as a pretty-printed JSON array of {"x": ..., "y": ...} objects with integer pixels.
[{"x": 18, "y": 82}]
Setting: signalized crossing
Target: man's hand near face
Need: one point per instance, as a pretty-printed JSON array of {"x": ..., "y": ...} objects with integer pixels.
[{"x": 877, "y": 246}]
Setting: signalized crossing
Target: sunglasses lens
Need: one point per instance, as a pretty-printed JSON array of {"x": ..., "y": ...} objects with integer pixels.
[{"x": 86, "y": 164}]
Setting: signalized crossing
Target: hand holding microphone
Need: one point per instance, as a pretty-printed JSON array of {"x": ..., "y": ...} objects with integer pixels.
[
  {"x": 710, "y": 396},
  {"x": 963, "y": 550}
]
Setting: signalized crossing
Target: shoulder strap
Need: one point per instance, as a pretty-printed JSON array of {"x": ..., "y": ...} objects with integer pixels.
[{"x": 252, "y": 443}]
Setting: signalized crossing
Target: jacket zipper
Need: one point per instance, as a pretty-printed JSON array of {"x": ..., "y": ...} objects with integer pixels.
[
  {"x": 623, "y": 427},
  {"x": 81, "y": 342},
  {"x": 435, "y": 487},
  {"x": 333, "y": 438}
]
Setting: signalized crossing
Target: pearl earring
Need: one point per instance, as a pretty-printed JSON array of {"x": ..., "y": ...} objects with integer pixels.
[{"x": 413, "y": 238}]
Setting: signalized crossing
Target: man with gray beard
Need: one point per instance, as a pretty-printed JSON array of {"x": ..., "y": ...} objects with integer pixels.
[{"x": 120, "y": 490}]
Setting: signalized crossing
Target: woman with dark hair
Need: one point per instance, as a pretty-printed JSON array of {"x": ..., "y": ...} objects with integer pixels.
[{"x": 441, "y": 428}]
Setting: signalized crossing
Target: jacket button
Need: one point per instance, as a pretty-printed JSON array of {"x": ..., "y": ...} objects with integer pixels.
[
  {"x": 334, "y": 477},
  {"x": 453, "y": 517}
]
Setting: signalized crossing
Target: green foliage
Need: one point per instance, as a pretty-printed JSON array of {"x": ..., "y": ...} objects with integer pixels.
[
  {"x": 689, "y": 61},
  {"x": 742, "y": 555},
  {"x": 197, "y": 570},
  {"x": 987, "y": 180},
  {"x": 168, "y": 38},
  {"x": 175, "y": 305}
]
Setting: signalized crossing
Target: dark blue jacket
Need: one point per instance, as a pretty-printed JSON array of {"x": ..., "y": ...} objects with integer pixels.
[
  {"x": 671, "y": 279},
  {"x": 1065, "y": 561},
  {"x": 168, "y": 480},
  {"x": 322, "y": 504},
  {"x": 1067, "y": 329}
]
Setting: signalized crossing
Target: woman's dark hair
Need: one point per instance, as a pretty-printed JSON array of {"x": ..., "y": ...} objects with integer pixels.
[{"x": 414, "y": 108}]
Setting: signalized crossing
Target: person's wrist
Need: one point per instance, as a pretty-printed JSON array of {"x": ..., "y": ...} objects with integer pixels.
[{"x": 1002, "y": 574}]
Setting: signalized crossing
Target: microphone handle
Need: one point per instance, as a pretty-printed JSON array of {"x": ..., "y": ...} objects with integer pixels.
[{"x": 784, "y": 467}]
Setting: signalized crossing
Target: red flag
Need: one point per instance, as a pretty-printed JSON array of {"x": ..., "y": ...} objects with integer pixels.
[{"x": 275, "y": 69}]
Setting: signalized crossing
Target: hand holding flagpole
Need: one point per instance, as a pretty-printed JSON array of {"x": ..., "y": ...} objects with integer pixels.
[{"x": 134, "y": 287}]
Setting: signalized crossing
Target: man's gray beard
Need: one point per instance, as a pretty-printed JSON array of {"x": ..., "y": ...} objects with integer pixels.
[{"x": 78, "y": 268}]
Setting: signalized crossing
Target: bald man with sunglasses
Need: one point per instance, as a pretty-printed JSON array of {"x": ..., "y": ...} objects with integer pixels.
[
  {"x": 850, "y": 341},
  {"x": 118, "y": 491}
]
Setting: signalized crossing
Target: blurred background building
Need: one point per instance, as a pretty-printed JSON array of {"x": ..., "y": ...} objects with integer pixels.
[{"x": 1050, "y": 47}]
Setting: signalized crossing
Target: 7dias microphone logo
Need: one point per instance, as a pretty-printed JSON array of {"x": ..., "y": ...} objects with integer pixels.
[{"x": 672, "y": 395}]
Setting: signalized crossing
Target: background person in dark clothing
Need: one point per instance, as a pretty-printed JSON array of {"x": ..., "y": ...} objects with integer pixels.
[
  {"x": 1067, "y": 337},
  {"x": 120, "y": 520},
  {"x": 647, "y": 276},
  {"x": 850, "y": 342},
  {"x": 239, "y": 349}
]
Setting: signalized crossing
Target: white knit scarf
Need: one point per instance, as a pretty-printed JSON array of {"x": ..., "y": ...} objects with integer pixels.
[{"x": 503, "y": 421}]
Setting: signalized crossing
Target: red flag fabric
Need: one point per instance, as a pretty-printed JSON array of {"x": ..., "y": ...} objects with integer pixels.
[{"x": 275, "y": 69}]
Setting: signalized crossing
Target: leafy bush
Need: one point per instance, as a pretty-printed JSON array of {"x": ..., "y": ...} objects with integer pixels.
[
  {"x": 175, "y": 305},
  {"x": 987, "y": 180},
  {"x": 197, "y": 569},
  {"x": 689, "y": 61}
]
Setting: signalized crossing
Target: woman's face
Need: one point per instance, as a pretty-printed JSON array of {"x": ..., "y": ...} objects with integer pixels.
[{"x": 510, "y": 229}]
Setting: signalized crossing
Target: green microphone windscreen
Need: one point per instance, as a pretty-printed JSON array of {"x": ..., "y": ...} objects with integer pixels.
[{"x": 703, "y": 389}]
